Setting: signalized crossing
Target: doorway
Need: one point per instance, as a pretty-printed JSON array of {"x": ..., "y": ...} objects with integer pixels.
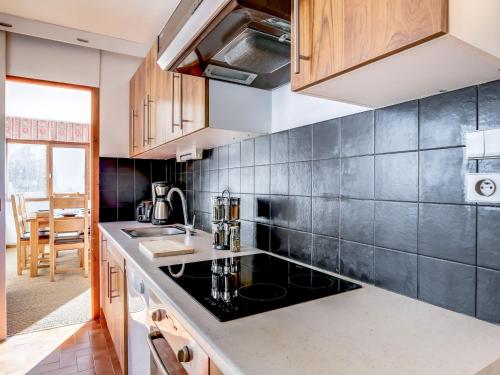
[{"x": 50, "y": 150}]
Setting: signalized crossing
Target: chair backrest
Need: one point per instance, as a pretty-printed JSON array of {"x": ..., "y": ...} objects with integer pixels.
[
  {"x": 17, "y": 216},
  {"x": 65, "y": 225},
  {"x": 64, "y": 195}
]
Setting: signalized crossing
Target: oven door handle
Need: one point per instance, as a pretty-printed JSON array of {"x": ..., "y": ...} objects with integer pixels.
[{"x": 156, "y": 356}]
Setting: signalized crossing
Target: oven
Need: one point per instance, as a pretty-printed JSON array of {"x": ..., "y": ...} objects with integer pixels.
[{"x": 172, "y": 350}]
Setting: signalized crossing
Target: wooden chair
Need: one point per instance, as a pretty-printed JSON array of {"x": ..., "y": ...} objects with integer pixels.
[
  {"x": 68, "y": 233},
  {"x": 23, "y": 236}
]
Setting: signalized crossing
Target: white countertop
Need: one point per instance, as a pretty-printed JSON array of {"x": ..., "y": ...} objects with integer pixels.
[{"x": 365, "y": 331}]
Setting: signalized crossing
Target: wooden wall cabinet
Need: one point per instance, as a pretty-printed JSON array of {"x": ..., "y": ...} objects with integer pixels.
[
  {"x": 114, "y": 298},
  {"x": 335, "y": 36},
  {"x": 376, "y": 53}
]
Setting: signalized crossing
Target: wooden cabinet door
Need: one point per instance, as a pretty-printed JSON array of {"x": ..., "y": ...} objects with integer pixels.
[
  {"x": 141, "y": 105},
  {"x": 151, "y": 76},
  {"x": 164, "y": 107},
  {"x": 332, "y": 37},
  {"x": 134, "y": 128},
  {"x": 194, "y": 106}
]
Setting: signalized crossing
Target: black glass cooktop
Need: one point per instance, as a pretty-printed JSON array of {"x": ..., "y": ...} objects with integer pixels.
[{"x": 235, "y": 287}]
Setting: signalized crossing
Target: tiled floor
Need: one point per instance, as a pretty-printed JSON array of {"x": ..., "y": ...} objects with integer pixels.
[{"x": 77, "y": 349}]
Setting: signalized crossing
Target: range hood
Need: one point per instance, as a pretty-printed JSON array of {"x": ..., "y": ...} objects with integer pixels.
[{"x": 240, "y": 41}]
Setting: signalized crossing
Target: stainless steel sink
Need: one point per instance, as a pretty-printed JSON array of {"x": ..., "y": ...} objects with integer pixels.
[{"x": 168, "y": 230}]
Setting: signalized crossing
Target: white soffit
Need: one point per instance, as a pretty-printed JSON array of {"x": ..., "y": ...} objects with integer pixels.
[{"x": 63, "y": 34}]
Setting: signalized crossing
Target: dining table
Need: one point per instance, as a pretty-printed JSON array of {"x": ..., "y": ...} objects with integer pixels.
[{"x": 40, "y": 219}]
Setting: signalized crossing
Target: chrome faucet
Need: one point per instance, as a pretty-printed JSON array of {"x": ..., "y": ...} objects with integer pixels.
[{"x": 189, "y": 228}]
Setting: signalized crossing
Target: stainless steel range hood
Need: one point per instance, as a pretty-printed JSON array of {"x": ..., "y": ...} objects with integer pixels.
[{"x": 245, "y": 42}]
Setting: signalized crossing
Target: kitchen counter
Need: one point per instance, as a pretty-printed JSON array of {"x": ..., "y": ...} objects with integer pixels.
[{"x": 365, "y": 331}]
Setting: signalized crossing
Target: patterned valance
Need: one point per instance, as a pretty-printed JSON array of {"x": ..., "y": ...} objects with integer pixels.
[{"x": 20, "y": 128}]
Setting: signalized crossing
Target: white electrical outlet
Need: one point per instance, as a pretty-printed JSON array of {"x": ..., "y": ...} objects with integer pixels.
[{"x": 483, "y": 187}]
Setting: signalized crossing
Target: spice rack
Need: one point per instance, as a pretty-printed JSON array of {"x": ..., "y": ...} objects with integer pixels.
[{"x": 225, "y": 222}]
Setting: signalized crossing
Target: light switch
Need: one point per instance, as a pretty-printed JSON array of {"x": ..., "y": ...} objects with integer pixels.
[
  {"x": 492, "y": 143},
  {"x": 483, "y": 187},
  {"x": 474, "y": 142}
]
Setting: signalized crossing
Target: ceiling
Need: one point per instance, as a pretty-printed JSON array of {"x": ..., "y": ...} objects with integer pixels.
[{"x": 133, "y": 20}]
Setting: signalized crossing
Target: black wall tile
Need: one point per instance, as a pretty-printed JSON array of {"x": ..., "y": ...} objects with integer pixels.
[
  {"x": 234, "y": 180},
  {"x": 213, "y": 159},
  {"x": 396, "y": 176},
  {"x": 223, "y": 179},
  {"x": 489, "y": 105},
  {"x": 488, "y": 236},
  {"x": 223, "y": 157},
  {"x": 214, "y": 181},
  {"x": 442, "y": 175},
  {"x": 326, "y": 177},
  {"x": 247, "y": 233},
  {"x": 445, "y": 118},
  {"x": 247, "y": 180},
  {"x": 325, "y": 252},
  {"x": 262, "y": 150},
  {"x": 279, "y": 147},
  {"x": 357, "y": 134},
  {"x": 234, "y": 155},
  {"x": 396, "y": 271},
  {"x": 158, "y": 170},
  {"x": 279, "y": 241},
  {"x": 247, "y": 153},
  {"x": 205, "y": 180},
  {"x": 447, "y": 284},
  {"x": 142, "y": 180},
  {"x": 448, "y": 232},
  {"x": 300, "y": 246},
  {"x": 262, "y": 208},
  {"x": 396, "y": 128},
  {"x": 396, "y": 225},
  {"x": 279, "y": 179},
  {"x": 299, "y": 213},
  {"x": 108, "y": 170},
  {"x": 326, "y": 139},
  {"x": 247, "y": 209},
  {"x": 279, "y": 211},
  {"x": 325, "y": 216},
  {"x": 262, "y": 233},
  {"x": 356, "y": 261},
  {"x": 300, "y": 174},
  {"x": 356, "y": 221},
  {"x": 300, "y": 144},
  {"x": 357, "y": 179},
  {"x": 488, "y": 298},
  {"x": 262, "y": 179}
]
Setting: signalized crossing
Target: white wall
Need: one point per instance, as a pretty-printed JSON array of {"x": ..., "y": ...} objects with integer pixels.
[
  {"x": 116, "y": 71},
  {"x": 3, "y": 310},
  {"x": 52, "y": 61},
  {"x": 290, "y": 110}
]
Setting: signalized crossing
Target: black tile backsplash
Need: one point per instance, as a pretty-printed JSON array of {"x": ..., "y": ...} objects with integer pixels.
[{"x": 377, "y": 196}]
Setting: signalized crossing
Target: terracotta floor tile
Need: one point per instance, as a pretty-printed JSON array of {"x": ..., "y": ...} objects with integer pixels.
[
  {"x": 72, "y": 370},
  {"x": 67, "y": 359}
]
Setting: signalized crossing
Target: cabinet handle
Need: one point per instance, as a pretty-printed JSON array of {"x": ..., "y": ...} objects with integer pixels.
[
  {"x": 173, "y": 102},
  {"x": 180, "y": 102},
  {"x": 149, "y": 120},
  {"x": 110, "y": 283},
  {"x": 144, "y": 112},
  {"x": 296, "y": 62},
  {"x": 134, "y": 115}
]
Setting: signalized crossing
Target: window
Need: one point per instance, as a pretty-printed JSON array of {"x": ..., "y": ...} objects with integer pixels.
[
  {"x": 27, "y": 169},
  {"x": 68, "y": 170},
  {"x": 38, "y": 170}
]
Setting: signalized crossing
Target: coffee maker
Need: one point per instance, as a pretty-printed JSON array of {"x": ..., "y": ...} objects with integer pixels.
[{"x": 162, "y": 212}]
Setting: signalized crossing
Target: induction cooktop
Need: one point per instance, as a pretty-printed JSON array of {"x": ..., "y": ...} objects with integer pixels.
[{"x": 239, "y": 286}]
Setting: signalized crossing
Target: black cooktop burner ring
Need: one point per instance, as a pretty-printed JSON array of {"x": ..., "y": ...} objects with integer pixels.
[
  {"x": 301, "y": 281},
  {"x": 263, "y": 292}
]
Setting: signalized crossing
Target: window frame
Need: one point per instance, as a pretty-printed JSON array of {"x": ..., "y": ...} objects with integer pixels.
[{"x": 49, "y": 153}]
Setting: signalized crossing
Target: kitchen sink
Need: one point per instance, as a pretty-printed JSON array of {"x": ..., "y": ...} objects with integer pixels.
[{"x": 168, "y": 230}]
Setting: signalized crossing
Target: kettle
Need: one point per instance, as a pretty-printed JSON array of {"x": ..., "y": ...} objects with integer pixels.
[{"x": 143, "y": 211}]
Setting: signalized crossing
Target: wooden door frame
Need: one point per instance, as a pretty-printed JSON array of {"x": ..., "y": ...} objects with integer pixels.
[{"x": 94, "y": 180}]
